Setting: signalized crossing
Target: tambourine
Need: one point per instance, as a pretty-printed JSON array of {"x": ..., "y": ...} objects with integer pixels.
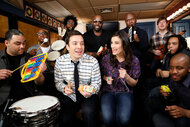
[{"x": 100, "y": 50}]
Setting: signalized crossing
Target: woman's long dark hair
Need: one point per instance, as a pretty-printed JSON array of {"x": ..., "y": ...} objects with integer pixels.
[
  {"x": 182, "y": 43},
  {"x": 128, "y": 55}
]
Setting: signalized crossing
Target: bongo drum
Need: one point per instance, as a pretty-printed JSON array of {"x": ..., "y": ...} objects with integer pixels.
[
  {"x": 36, "y": 111},
  {"x": 58, "y": 45},
  {"x": 52, "y": 56}
]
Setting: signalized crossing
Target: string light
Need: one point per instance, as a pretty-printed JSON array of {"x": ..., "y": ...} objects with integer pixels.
[{"x": 179, "y": 11}]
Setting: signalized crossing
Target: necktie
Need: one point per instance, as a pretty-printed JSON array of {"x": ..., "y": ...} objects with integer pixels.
[{"x": 76, "y": 77}]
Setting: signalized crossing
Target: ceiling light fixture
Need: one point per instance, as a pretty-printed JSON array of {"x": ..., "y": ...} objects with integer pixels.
[{"x": 179, "y": 11}]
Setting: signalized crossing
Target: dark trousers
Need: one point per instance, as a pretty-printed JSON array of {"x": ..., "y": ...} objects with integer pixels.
[
  {"x": 165, "y": 120},
  {"x": 155, "y": 111},
  {"x": 89, "y": 107}
]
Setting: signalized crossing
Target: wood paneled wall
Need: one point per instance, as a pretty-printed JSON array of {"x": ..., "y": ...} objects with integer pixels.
[
  {"x": 3, "y": 29},
  {"x": 29, "y": 32},
  {"x": 54, "y": 36}
]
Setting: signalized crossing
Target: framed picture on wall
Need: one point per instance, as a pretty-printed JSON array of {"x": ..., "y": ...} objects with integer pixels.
[
  {"x": 29, "y": 11},
  {"x": 44, "y": 18},
  {"x": 50, "y": 21},
  {"x": 62, "y": 26},
  {"x": 58, "y": 24},
  {"x": 54, "y": 23},
  {"x": 37, "y": 15}
]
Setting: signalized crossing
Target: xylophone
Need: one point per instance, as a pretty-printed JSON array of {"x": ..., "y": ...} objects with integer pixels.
[{"x": 31, "y": 69}]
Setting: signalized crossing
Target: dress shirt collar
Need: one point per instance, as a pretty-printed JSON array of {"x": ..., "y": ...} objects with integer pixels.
[{"x": 81, "y": 60}]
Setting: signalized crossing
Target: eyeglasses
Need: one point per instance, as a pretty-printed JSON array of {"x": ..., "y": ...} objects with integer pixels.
[
  {"x": 95, "y": 21},
  {"x": 41, "y": 33},
  {"x": 72, "y": 23}
]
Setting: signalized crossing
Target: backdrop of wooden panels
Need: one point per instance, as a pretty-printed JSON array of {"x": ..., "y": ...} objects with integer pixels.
[
  {"x": 29, "y": 32},
  {"x": 53, "y": 36},
  {"x": 3, "y": 29}
]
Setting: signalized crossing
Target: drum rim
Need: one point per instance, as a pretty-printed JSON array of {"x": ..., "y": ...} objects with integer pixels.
[
  {"x": 36, "y": 113},
  {"x": 61, "y": 46},
  {"x": 55, "y": 58}
]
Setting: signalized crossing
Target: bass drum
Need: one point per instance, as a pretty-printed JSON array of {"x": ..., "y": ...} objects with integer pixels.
[{"x": 36, "y": 111}]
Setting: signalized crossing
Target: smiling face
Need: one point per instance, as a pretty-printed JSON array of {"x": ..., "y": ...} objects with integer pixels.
[
  {"x": 173, "y": 45},
  {"x": 41, "y": 35},
  {"x": 70, "y": 24},
  {"x": 75, "y": 47},
  {"x": 97, "y": 23},
  {"x": 116, "y": 46},
  {"x": 16, "y": 45},
  {"x": 162, "y": 25}
]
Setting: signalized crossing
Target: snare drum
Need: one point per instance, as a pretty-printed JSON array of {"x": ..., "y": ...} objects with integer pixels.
[{"x": 36, "y": 111}]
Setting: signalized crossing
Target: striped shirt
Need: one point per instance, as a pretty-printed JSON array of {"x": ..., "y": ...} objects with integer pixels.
[
  {"x": 157, "y": 40},
  {"x": 88, "y": 69}
]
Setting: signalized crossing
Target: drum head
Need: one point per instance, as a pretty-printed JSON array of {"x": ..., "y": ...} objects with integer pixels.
[
  {"x": 52, "y": 56},
  {"x": 58, "y": 45},
  {"x": 34, "y": 104}
]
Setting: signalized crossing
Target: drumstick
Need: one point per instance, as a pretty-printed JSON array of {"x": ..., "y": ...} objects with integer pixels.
[
  {"x": 18, "y": 68},
  {"x": 69, "y": 81},
  {"x": 45, "y": 40}
]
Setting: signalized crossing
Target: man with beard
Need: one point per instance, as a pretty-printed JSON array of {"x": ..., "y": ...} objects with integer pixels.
[
  {"x": 172, "y": 108},
  {"x": 70, "y": 22},
  {"x": 11, "y": 88},
  {"x": 43, "y": 45},
  {"x": 96, "y": 38}
]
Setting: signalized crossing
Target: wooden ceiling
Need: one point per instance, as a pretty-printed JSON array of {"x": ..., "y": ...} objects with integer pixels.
[{"x": 84, "y": 10}]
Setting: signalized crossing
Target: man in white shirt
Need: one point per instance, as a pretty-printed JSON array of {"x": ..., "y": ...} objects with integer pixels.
[{"x": 43, "y": 45}]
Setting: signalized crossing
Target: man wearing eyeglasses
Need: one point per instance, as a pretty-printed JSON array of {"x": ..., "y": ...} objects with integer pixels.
[
  {"x": 43, "y": 45},
  {"x": 96, "y": 38},
  {"x": 70, "y": 22}
]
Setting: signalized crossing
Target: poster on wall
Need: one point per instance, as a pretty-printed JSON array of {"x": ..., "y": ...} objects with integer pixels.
[
  {"x": 37, "y": 15},
  {"x": 29, "y": 11},
  {"x": 49, "y": 21},
  {"x": 54, "y": 23},
  {"x": 44, "y": 18},
  {"x": 62, "y": 26},
  {"x": 58, "y": 24}
]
